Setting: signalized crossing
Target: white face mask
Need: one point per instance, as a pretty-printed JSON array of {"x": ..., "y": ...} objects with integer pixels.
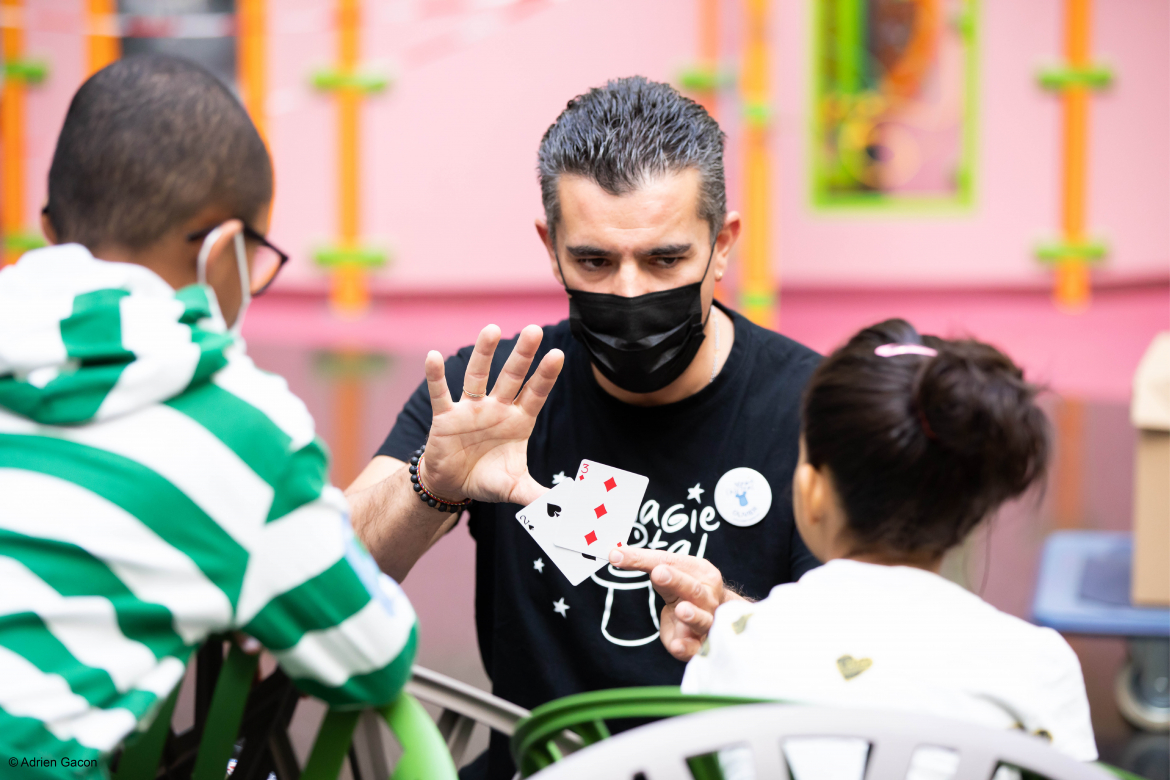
[{"x": 241, "y": 264}]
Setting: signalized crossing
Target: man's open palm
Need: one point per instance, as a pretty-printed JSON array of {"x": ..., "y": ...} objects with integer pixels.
[{"x": 478, "y": 446}]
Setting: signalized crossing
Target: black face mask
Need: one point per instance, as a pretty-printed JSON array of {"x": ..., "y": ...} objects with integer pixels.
[{"x": 644, "y": 343}]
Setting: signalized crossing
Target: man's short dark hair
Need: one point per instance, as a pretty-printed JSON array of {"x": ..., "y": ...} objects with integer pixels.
[
  {"x": 626, "y": 132},
  {"x": 148, "y": 142}
]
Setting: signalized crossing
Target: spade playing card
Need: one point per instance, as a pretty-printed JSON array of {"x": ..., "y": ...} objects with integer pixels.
[
  {"x": 543, "y": 517},
  {"x": 602, "y": 512}
]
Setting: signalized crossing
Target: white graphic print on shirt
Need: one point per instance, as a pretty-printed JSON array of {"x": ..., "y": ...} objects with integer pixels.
[{"x": 649, "y": 530}]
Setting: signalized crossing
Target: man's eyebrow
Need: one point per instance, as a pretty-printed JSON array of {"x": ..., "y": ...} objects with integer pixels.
[
  {"x": 584, "y": 250},
  {"x": 670, "y": 250}
]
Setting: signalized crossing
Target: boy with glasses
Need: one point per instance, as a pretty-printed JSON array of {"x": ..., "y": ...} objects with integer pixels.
[{"x": 155, "y": 486}]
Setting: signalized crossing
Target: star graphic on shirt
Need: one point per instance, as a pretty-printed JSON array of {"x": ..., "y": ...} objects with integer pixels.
[
  {"x": 696, "y": 493},
  {"x": 538, "y": 564},
  {"x": 558, "y": 478},
  {"x": 561, "y": 607}
]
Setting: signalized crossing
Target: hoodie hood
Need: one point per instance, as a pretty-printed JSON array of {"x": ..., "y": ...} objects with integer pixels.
[{"x": 83, "y": 339}]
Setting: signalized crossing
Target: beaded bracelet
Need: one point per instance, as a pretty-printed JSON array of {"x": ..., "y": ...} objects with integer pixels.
[{"x": 426, "y": 496}]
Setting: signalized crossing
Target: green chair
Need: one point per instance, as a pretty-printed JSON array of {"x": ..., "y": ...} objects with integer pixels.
[
  {"x": 425, "y": 755},
  {"x": 566, "y": 725}
]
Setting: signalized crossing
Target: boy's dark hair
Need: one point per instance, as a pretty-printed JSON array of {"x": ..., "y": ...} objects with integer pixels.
[
  {"x": 920, "y": 449},
  {"x": 627, "y": 131},
  {"x": 147, "y": 143}
]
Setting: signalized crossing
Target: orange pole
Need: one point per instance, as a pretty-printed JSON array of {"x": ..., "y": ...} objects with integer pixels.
[
  {"x": 708, "y": 29},
  {"x": 251, "y": 53},
  {"x": 1068, "y": 476},
  {"x": 105, "y": 45},
  {"x": 347, "y": 450},
  {"x": 347, "y": 128},
  {"x": 758, "y": 288},
  {"x": 12, "y": 136},
  {"x": 1072, "y": 289},
  {"x": 350, "y": 293},
  {"x": 709, "y": 49}
]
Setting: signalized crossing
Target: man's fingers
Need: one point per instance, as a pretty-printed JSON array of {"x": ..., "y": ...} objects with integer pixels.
[
  {"x": 533, "y": 396},
  {"x": 475, "y": 379},
  {"x": 437, "y": 383},
  {"x": 640, "y": 559},
  {"x": 516, "y": 366},
  {"x": 697, "y": 620},
  {"x": 675, "y": 585},
  {"x": 645, "y": 560}
]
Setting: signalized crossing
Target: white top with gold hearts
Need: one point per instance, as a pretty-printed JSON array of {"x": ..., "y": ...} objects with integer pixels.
[{"x": 898, "y": 638}]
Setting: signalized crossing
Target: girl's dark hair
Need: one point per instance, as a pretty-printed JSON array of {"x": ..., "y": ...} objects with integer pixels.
[{"x": 920, "y": 448}]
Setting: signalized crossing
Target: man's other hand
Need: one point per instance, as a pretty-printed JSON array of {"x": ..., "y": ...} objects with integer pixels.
[
  {"x": 692, "y": 588},
  {"x": 478, "y": 446}
]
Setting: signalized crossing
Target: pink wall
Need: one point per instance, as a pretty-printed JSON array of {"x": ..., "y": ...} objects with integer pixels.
[
  {"x": 1017, "y": 160},
  {"x": 54, "y": 39},
  {"x": 449, "y": 153}
]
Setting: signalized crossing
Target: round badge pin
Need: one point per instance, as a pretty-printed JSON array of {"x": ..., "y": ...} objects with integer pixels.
[{"x": 743, "y": 496}]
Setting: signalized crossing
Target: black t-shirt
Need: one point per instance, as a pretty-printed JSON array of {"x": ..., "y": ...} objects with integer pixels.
[{"x": 747, "y": 420}]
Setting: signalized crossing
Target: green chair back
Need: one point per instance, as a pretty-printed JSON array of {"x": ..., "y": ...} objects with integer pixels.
[
  {"x": 538, "y": 740},
  {"x": 425, "y": 755},
  {"x": 141, "y": 757}
]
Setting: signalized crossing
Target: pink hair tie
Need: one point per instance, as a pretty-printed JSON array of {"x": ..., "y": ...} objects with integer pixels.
[{"x": 893, "y": 350}]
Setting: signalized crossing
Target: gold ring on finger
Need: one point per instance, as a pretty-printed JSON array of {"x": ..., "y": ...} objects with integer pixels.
[{"x": 473, "y": 395}]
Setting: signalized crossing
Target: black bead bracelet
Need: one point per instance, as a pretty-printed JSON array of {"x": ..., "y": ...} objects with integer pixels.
[{"x": 426, "y": 496}]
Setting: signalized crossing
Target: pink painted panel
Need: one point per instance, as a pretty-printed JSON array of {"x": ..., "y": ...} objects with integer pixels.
[
  {"x": 448, "y": 153},
  {"x": 1017, "y": 161},
  {"x": 1092, "y": 355},
  {"x": 53, "y": 41}
]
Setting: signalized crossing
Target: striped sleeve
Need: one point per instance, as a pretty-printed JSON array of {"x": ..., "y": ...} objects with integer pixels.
[
  {"x": 313, "y": 596},
  {"x": 339, "y": 627}
]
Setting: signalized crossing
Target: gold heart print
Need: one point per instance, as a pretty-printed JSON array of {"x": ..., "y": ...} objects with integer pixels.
[{"x": 850, "y": 667}]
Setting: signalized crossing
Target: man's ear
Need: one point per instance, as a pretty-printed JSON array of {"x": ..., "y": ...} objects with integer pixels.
[
  {"x": 547, "y": 239},
  {"x": 725, "y": 242},
  {"x": 48, "y": 229}
]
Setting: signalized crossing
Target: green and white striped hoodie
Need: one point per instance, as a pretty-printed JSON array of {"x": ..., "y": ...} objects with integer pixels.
[{"x": 155, "y": 488}]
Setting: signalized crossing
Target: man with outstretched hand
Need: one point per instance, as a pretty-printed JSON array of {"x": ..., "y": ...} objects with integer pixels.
[{"x": 658, "y": 379}]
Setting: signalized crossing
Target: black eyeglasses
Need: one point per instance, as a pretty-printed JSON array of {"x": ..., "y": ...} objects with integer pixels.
[{"x": 267, "y": 260}]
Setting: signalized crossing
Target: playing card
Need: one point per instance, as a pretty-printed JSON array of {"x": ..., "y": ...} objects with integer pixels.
[
  {"x": 603, "y": 510},
  {"x": 543, "y": 517}
]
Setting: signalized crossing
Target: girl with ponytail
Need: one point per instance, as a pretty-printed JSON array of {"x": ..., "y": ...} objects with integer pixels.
[{"x": 908, "y": 443}]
